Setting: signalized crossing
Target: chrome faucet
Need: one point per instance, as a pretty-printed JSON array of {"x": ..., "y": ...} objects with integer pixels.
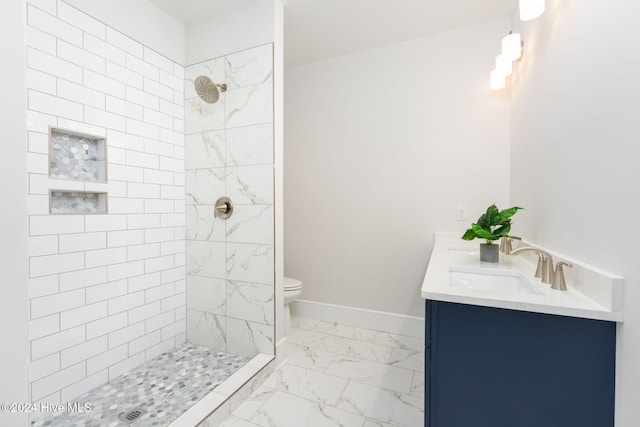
[{"x": 544, "y": 270}]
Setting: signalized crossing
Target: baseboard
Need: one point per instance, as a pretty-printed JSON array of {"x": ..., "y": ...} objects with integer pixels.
[
  {"x": 362, "y": 318},
  {"x": 281, "y": 353}
]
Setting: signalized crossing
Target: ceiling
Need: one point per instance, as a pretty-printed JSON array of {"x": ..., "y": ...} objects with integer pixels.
[{"x": 322, "y": 29}]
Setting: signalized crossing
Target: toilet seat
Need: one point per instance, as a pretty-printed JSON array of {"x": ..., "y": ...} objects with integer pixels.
[{"x": 292, "y": 284}]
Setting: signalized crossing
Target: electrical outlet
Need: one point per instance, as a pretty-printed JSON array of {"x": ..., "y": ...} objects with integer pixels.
[{"x": 461, "y": 213}]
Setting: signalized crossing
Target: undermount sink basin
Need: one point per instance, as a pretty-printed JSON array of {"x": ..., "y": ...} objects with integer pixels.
[{"x": 507, "y": 282}]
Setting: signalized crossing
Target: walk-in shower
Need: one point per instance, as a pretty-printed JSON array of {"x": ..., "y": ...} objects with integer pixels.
[{"x": 228, "y": 269}]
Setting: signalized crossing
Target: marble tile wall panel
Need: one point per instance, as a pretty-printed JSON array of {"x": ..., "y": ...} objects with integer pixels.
[
  {"x": 250, "y": 145},
  {"x": 202, "y": 225},
  {"x": 250, "y": 185},
  {"x": 250, "y": 301},
  {"x": 209, "y": 330},
  {"x": 204, "y": 186},
  {"x": 206, "y": 259},
  {"x": 207, "y": 294},
  {"x": 201, "y": 116},
  {"x": 248, "y": 338},
  {"x": 207, "y": 149},
  {"x": 251, "y": 224},
  {"x": 250, "y": 263},
  {"x": 249, "y": 67},
  {"x": 250, "y": 105},
  {"x": 229, "y": 152}
]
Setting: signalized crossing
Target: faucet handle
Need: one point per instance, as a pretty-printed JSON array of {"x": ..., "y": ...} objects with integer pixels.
[
  {"x": 558, "y": 278},
  {"x": 540, "y": 265},
  {"x": 545, "y": 262},
  {"x": 505, "y": 245}
]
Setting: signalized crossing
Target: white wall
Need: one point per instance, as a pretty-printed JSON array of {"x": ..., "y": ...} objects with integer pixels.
[
  {"x": 142, "y": 21},
  {"x": 380, "y": 147},
  {"x": 575, "y": 151},
  {"x": 13, "y": 255},
  {"x": 244, "y": 27}
]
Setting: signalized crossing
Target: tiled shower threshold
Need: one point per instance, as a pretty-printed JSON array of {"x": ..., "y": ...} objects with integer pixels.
[{"x": 179, "y": 388}]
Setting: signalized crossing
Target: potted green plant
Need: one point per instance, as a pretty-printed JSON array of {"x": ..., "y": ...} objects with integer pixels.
[{"x": 491, "y": 226}]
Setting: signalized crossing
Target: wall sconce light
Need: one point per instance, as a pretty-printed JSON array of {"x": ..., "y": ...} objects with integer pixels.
[
  {"x": 504, "y": 66},
  {"x": 496, "y": 80},
  {"x": 530, "y": 9},
  {"x": 512, "y": 46}
]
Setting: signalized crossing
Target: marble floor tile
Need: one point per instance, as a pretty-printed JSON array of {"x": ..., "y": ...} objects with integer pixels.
[
  {"x": 354, "y": 348},
  {"x": 376, "y": 423},
  {"x": 253, "y": 403},
  {"x": 409, "y": 359},
  {"x": 400, "y": 341},
  {"x": 346, "y": 331},
  {"x": 372, "y": 373},
  {"x": 302, "y": 323},
  {"x": 417, "y": 385},
  {"x": 286, "y": 410},
  {"x": 387, "y": 406},
  {"x": 238, "y": 422},
  {"x": 305, "y": 337},
  {"x": 309, "y": 384},
  {"x": 309, "y": 357},
  {"x": 339, "y": 375}
]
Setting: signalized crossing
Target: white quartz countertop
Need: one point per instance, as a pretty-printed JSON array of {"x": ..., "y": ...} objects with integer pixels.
[{"x": 592, "y": 293}]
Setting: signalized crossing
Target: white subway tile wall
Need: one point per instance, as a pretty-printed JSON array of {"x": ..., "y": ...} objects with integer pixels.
[{"x": 107, "y": 292}]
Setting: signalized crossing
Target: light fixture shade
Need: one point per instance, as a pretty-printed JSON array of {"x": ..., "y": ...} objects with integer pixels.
[
  {"x": 512, "y": 46},
  {"x": 496, "y": 80},
  {"x": 504, "y": 66},
  {"x": 531, "y": 9}
]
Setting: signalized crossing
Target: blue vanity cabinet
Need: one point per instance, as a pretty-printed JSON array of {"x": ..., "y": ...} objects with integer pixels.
[{"x": 490, "y": 367}]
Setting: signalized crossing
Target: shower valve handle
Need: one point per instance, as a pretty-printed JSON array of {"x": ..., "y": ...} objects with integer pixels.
[{"x": 223, "y": 208}]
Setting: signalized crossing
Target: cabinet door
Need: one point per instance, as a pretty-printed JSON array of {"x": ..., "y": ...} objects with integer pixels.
[{"x": 491, "y": 367}]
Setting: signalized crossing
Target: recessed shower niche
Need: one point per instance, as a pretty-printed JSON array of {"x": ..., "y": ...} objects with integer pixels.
[
  {"x": 75, "y": 156},
  {"x": 77, "y": 202}
]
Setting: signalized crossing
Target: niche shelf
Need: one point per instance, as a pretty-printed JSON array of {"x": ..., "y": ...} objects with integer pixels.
[
  {"x": 77, "y": 202},
  {"x": 77, "y": 156}
]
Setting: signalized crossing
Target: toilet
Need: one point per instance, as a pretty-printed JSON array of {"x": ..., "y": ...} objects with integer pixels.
[{"x": 292, "y": 290}]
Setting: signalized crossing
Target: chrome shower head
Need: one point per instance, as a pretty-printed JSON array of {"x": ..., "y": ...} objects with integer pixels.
[{"x": 207, "y": 90}]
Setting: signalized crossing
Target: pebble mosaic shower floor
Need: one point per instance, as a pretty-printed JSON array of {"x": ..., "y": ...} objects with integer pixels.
[{"x": 163, "y": 389}]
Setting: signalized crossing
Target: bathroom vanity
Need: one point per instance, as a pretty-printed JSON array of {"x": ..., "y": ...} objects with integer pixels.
[{"x": 503, "y": 349}]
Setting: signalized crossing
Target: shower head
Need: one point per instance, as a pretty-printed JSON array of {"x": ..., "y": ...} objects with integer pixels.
[{"x": 208, "y": 90}]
